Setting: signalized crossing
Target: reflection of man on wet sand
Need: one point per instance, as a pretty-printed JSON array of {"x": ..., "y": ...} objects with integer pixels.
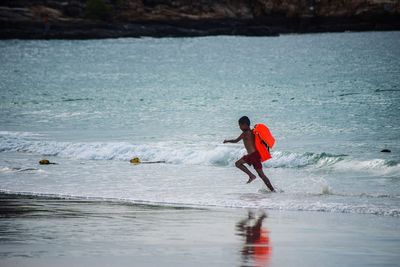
[{"x": 256, "y": 247}]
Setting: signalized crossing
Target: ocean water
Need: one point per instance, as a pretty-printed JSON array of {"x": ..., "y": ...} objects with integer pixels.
[{"x": 332, "y": 102}]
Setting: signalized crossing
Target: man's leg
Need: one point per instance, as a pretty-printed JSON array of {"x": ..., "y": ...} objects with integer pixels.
[
  {"x": 265, "y": 179},
  {"x": 240, "y": 164}
]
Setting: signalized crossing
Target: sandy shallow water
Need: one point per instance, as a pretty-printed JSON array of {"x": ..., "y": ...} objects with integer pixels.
[{"x": 44, "y": 231}]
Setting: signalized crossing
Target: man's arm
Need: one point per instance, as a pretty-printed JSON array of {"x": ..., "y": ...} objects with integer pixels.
[{"x": 234, "y": 140}]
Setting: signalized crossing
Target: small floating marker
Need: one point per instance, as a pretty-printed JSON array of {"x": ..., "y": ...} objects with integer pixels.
[
  {"x": 386, "y": 150},
  {"x": 135, "y": 160},
  {"x": 45, "y": 162}
]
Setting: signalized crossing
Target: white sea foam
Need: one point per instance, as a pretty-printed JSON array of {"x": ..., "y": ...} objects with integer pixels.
[
  {"x": 14, "y": 170},
  {"x": 6, "y": 170},
  {"x": 250, "y": 201},
  {"x": 380, "y": 166},
  {"x": 186, "y": 153},
  {"x": 12, "y": 135},
  {"x": 294, "y": 160}
]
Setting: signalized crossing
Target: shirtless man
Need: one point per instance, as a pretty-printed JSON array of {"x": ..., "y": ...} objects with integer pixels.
[{"x": 252, "y": 157}]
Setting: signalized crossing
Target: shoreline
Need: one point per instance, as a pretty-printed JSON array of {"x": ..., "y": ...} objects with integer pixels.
[
  {"x": 47, "y": 232},
  {"x": 271, "y": 27}
]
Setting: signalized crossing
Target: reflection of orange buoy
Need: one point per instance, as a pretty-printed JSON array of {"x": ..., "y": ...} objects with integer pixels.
[
  {"x": 262, "y": 249},
  {"x": 257, "y": 249}
]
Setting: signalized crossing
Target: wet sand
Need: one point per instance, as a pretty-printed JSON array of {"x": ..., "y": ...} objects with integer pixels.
[{"x": 43, "y": 231}]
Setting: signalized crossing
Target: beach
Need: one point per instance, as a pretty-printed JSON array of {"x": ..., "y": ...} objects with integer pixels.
[
  {"x": 332, "y": 102},
  {"x": 44, "y": 231}
]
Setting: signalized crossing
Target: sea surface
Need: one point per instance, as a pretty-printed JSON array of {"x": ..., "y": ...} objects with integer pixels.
[{"x": 332, "y": 101}]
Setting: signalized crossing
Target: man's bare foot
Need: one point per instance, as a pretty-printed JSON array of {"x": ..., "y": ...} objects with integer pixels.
[{"x": 251, "y": 178}]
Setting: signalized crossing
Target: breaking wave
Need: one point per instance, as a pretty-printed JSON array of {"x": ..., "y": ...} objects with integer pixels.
[{"x": 184, "y": 153}]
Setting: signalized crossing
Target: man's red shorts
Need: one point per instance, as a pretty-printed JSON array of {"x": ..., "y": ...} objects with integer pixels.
[{"x": 253, "y": 159}]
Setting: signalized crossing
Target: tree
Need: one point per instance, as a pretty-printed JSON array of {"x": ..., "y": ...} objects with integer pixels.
[{"x": 97, "y": 9}]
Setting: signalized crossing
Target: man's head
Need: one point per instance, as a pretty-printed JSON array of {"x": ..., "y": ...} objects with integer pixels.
[{"x": 244, "y": 123}]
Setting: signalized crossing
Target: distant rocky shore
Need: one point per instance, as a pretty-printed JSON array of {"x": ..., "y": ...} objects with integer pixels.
[{"x": 89, "y": 19}]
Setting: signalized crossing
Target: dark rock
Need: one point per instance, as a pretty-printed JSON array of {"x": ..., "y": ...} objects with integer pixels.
[
  {"x": 386, "y": 150},
  {"x": 45, "y": 162},
  {"x": 86, "y": 19}
]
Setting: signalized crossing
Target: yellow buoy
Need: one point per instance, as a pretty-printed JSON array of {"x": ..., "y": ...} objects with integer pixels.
[{"x": 135, "y": 160}]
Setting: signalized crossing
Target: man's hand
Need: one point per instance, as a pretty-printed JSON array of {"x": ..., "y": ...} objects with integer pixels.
[{"x": 234, "y": 140}]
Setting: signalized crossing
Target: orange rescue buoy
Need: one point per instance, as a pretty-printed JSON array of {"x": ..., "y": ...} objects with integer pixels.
[{"x": 264, "y": 141}]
